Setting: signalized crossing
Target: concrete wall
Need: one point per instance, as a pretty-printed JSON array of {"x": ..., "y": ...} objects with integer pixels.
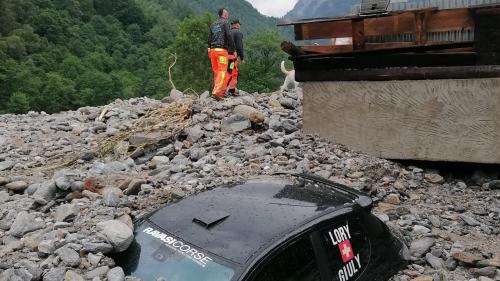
[{"x": 437, "y": 120}]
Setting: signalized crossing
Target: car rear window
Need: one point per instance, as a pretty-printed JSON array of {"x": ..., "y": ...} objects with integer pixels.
[
  {"x": 347, "y": 248},
  {"x": 156, "y": 254}
]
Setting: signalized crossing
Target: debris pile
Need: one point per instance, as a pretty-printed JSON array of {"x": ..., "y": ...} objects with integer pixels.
[{"x": 71, "y": 183}]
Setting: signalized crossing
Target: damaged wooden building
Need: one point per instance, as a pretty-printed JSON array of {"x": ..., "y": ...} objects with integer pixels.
[{"x": 419, "y": 84}]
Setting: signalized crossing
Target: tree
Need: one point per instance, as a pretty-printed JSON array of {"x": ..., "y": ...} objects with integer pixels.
[
  {"x": 262, "y": 73},
  {"x": 19, "y": 103},
  {"x": 193, "y": 68}
]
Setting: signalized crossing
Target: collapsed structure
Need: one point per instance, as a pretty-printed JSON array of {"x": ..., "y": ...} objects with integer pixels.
[{"x": 417, "y": 84}]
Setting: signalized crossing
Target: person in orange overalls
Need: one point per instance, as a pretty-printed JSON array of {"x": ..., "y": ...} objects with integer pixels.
[
  {"x": 219, "y": 42},
  {"x": 234, "y": 60}
]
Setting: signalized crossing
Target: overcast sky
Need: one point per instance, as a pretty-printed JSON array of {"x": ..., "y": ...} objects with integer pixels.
[{"x": 275, "y": 8}]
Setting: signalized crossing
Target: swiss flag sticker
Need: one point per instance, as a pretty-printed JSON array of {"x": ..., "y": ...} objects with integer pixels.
[{"x": 346, "y": 251}]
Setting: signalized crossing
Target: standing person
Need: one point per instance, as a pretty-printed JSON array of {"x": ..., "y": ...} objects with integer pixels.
[
  {"x": 237, "y": 36},
  {"x": 219, "y": 42}
]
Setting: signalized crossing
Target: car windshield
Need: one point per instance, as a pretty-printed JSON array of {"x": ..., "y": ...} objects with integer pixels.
[{"x": 156, "y": 255}]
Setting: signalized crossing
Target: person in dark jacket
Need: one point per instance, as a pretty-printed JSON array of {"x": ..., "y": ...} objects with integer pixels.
[
  {"x": 219, "y": 42},
  {"x": 237, "y": 36}
]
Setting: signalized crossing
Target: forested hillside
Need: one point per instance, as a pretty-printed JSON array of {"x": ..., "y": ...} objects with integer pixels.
[{"x": 62, "y": 54}]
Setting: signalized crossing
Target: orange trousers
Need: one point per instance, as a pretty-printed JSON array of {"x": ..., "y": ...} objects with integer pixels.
[
  {"x": 233, "y": 72},
  {"x": 219, "y": 59}
]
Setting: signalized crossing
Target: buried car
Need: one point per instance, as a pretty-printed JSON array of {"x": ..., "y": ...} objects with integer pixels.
[{"x": 286, "y": 227}]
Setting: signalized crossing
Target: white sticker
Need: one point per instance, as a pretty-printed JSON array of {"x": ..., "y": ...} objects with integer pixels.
[{"x": 180, "y": 247}]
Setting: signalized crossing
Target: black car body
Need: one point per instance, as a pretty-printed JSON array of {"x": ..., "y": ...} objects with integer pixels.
[{"x": 289, "y": 227}]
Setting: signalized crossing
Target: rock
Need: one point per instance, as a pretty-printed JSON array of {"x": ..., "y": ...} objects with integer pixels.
[
  {"x": 116, "y": 274},
  {"x": 73, "y": 276},
  {"x": 288, "y": 103},
  {"x": 175, "y": 95},
  {"x": 66, "y": 212},
  {"x": 12, "y": 274},
  {"x": 55, "y": 274},
  {"x": 450, "y": 264},
  {"x": 63, "y": 183},
  {"x": 94, "y": 259},
  {"x": 25, "y": 223},
  {"x": 4, "y": 181},
  {"x": 45, "y": 193},
  {"x": 194, "y": 133},
  {"x": 197, "y": 153},
  {"x": 485, "y": 271},
  {"x": 434, "y": 178},
  {"x": 17, "y": 186},
  {"x": 423, "y": 278},
  {"x": 117, "y": 233},
  {"x": 97, "y": 247},
  {"x": 421, "y": 246},
  {"x": 69, "y": 256},
  {"x": 47, "y": 247},
  {"x": 420, "y": 230},
  {"x": 468, "y": 219},
  {"x": 483, "y": 278},
  {"x": 98, "y": 272},
  {"x": 252, "y": 114},
  {"x": 393, "y": 199},
  {"x": 111, "y": 196},
  {"x": 236, "y": 123},
  {"x": 6, "y": 165},
  {"x": 467, "y": 258},
  {"x": 160, "y": 161},
  {"x": 434, "y": 261},
  {"x": 134, "y": 187},
  {"x": 494, "y": 262},
  {"x": 493, "y": 185}
]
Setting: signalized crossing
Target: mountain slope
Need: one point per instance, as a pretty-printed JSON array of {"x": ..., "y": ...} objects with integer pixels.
[{"x": 321, "y": 8}]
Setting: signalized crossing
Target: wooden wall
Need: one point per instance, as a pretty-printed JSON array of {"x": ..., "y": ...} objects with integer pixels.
[{"x": 437, "y": 120}]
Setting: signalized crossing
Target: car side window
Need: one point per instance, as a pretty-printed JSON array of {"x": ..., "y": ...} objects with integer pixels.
[
  {"x": 347, "y": 249},
  {"x": 296, "y": 263}
]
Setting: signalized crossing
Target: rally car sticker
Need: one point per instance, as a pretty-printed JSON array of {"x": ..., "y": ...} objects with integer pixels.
[
  {"x": 341, "y": 237},
  {"x": 180, "y": 247}
]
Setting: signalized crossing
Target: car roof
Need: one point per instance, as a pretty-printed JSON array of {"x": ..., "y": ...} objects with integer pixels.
[{"x": 236, "y": 222}]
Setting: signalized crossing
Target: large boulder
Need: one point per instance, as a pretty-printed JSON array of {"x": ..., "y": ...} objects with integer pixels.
[{"x": 117, "y": 233}]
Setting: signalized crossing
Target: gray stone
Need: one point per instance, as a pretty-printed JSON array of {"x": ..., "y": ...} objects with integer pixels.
[
  {"x": 419, "y": 229},
  {"x": 6, "y": 165},
  {"x": 255, "y": 116},
  {"x": 94, "y": 259},
  {"x": 97, "y": 247},
  {"x": 194, "y": 133},
  {"x": 134, "y": 187},
  {"x": 55, "y": 274},
  {"x": 468, "y": 219},
  {"x": 69, "y": 256},
  {"x": 117, "y": 233},
  {"x": 32, "y": 188},
  {"x": 450, "y": 264},
  {"x": 12, "y": 274},
  {"x": 289, "y": 126},
  {"x": 25, "y": 223},
  {"x": 111, "y": 196},
  {"x": 4, "y": 197},
  {"x": 45, "y": 193},
  {"x": 493, "y": 185},
  {"x": 288, "y": 103},
  {"x": 434, "y": 178},
  {"x": 160, "y": 161},
  {"x": 489, "y": 271},
  {"x": 17, "y": 186},
  {"x": 116, "y": 274},
  {"x": 434, "y": 261},
  {"x": 73, "y": 276},
  {"x": 63, "y": 183},
  {"x": 421, "y": 246},
  {"x": 197, "y": 153},
  {"x": 4, "y": 181},
  {"x": 98, "y": 272},
  {"x": 236, "y": 123},
  {"x": 66, "y": 212},
  {"x": 47, "y": 247}
]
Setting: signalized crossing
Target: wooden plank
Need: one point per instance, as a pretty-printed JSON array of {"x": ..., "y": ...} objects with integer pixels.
[
  {"x": 327, "y": 49},
  {"x": 398, "y": 73},
  {"x": 432, "y": 120},
  {"x": 435, "y": 21},
  {"x": 358, "y": 34}
]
